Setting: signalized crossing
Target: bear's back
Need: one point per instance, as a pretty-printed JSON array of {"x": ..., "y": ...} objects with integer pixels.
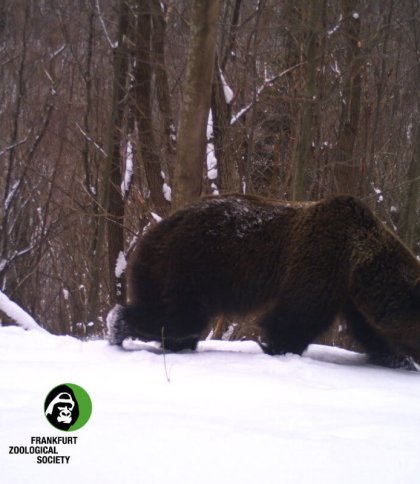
[{"x": 239, "y": 250}]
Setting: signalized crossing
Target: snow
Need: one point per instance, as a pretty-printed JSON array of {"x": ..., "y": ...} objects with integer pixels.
[
  {"x": 211, "y": 159},
  {"x": 214, "y": 189},
  {"x": 228, "y": 414},
  {"x": 156, "y": 217},
  {"x": 227, "y": 90},
  {"x": 378, "y": 192},
  {"x": 166, "y": 189},
  {"x": 167, "y": 192},
  {"x": 211, "y": 162},
  {"x": 336, "y": 27},
  {"x": 120, "y": 265},
  {"x": 259, "y": 91},
  {"x": 209, "y": 129},
  {"x": 91, "y": 140},
  {"x": 11, "y": 195},
  {"x": 129, "y": 170},
  {"x": 17, "y": 313}
]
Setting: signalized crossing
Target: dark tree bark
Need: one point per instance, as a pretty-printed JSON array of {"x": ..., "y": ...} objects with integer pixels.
[
  {"x": 307, "y": 118},
  {"x": 221, "y": 112},
  {"x": 347, "y": 170},
  {"x": 410, "y": 217},
  {"x": 229, "y": 46},
  {"x": 112, "y": 201},
  {"x": 187, "y": 183},
  {"x": 162, "y": 84},
  {"x": 143, "y": 108}
]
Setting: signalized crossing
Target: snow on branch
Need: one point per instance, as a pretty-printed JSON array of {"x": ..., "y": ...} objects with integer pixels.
[
  {"x": 266, "y": 83},
  {"x": 13, "y": 146},
  {"x": 21, "y": 317},
  {"x": 113, "y": 45},
  {"x": 91, "y": 140}
]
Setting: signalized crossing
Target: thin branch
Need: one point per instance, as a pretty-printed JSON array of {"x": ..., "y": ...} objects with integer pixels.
[
  {"x": 113, "y": 45},
  {"x": 267, "y": 83},
  {"x": 91, "y": 140},
  {"x": 13, "y": 146}
]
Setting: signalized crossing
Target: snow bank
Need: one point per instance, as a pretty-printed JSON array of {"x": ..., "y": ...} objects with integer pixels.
[
  {"x": 230, "y": 414},
  {"x": 21, "y": 317}
]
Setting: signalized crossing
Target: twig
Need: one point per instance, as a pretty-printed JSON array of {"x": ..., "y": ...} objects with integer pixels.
[
  {"x": 91, "y": 140},
  {"x": 387, "y": 190},
  {"x": 13, "y": 146},
  {"x": 257, "y": 92},
  {"x": 113, "y": 45},
  {"x": 164, "y": 355}
]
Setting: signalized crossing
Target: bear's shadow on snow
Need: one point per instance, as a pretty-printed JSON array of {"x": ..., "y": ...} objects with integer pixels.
[{"x": 315, "y": 352}]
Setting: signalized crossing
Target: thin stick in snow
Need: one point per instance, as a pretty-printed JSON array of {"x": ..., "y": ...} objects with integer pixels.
[
  {"x": 164, "y": 355},
  {"x": 21, "y": 317}
]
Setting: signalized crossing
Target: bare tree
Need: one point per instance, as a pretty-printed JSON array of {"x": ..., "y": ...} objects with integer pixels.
[
  {"x": 304, "y": 143},
  {"x": 222, "y": 132},
  {"x": 409, "y": 215},
  {"x": 347, "y": 170},
  {"x": 112, "y": 197},
  {"x": 187, "y": 183},
  {"x": 168, "y": 137},
  {"x": 143, "y": 101}
]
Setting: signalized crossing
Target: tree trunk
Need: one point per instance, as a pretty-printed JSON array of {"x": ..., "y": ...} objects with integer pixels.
[
  {"x": 410, "y": 216},
  {"x": 168, "y": 142},
  {"x": 303, "y": 149},
  {"x": 112, "y": 200},
  {"x": 143, "y": 111},
  {"x": 413, "y": 193},
  {"x": 195, "y": 108},
  {"x": 347, "y": 171},
  {"x": 380, "y": 92},
  {"x": 223, "y": 146}
]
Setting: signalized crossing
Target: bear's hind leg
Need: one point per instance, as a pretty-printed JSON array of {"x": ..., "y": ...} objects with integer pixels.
[
  {"x": 380, "y": 352},
  {"x": 135, "y": 322}
]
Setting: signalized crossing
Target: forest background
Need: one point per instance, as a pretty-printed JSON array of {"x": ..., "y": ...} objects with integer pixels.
[{"x": 113, "y": 113}]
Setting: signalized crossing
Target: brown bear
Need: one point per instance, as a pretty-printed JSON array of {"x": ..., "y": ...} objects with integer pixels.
[{"x": 299, "y": 264}]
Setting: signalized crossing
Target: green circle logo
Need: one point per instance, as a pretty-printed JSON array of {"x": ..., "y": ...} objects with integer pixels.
[{"x": 68, "y": 407}]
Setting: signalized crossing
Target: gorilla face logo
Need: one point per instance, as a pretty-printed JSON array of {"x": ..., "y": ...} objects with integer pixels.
[{"x": 61, "y": 407}]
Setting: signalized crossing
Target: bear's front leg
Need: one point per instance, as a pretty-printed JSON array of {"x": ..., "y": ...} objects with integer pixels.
[{"x": 286, "y": 329}]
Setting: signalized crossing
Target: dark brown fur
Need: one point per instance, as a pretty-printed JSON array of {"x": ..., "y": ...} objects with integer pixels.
[{"x": 300, "y": 264}]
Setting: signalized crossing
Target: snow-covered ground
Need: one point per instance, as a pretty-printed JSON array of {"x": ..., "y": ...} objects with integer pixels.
[{"x": 229, "y": 414}]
